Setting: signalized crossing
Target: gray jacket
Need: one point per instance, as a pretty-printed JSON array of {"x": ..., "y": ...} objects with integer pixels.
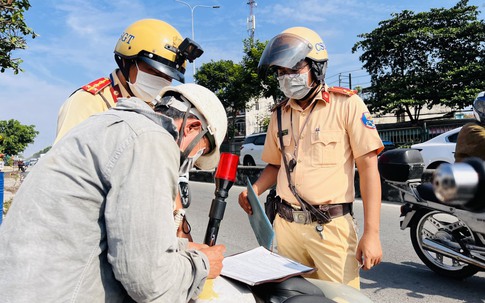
[{"x": 93, "y": 222}]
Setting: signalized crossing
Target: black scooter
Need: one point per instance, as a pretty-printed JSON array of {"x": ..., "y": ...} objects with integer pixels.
[{"x": 446, "y": 217}]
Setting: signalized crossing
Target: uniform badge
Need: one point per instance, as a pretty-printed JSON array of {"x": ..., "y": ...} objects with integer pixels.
[
  {"x": 97, "y": 85},
  {"x": 367, "y": 120}
]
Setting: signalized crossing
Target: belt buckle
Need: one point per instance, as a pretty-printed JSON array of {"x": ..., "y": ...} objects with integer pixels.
[{"x": 301, "y": 217}]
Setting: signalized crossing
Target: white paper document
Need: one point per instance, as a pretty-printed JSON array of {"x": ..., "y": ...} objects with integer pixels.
[
  {"x": 262, "y": 228},
  {"x": 259, "y": 265}
]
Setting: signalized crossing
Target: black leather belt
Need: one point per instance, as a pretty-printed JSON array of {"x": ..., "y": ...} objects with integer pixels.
[{"x": 287, "y": 212}]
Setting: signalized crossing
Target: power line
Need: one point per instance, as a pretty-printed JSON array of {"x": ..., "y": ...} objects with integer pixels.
[{"x": 350, "y": 71}]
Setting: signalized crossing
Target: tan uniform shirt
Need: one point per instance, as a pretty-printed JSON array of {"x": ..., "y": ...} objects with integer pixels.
[
  {"x": 470, "y": 142},
  {"x": 339, "y": 130},
  {"x": 88, "y": 101}
]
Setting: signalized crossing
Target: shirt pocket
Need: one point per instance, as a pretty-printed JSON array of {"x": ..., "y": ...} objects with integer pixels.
[
  {"x": 286, "y": 142},
  {"x": 326, "y": 147}
]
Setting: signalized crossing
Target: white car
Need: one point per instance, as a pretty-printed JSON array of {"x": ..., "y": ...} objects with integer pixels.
[
  {"x": 251, "y": 150},
  {"x": 440, "y": 149}
]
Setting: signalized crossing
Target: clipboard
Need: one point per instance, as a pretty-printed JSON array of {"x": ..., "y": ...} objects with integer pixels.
[
  {"x": 262, "y": 228},
  {"x": 259, "y": 265}
]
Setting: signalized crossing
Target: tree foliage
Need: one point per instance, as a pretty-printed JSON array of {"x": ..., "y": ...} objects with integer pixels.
[
  {"x": 237, "y": 84},
  {"x": 263, "y": 85},
  {"x": 225, "y": 78},
  {"x": 13, "y": 30},
  {"x": 418, "y": 60},
  {"x": 14, "y": 137},
  {"x": 40, "y": 152}
]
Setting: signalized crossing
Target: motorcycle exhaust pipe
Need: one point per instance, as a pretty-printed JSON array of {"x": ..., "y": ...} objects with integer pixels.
[
  {"x": 455, "y": 184},
  {"x": 439, "y": 248}
]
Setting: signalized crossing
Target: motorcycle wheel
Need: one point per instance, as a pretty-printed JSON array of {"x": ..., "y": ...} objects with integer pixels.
[{"x": 432, "y": 225}]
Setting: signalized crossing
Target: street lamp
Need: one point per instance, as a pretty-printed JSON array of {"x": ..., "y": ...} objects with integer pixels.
[{"x": 192, "y": 8}]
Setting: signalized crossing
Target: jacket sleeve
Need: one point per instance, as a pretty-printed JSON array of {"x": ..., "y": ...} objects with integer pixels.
[{"x": 142, "y": 245}]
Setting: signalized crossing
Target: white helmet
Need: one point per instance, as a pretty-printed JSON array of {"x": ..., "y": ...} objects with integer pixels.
[{"x": 207, "y": 107}]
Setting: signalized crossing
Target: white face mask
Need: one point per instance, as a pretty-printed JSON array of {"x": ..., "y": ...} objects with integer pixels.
[
  {"x": 147, "y": 86},
  {"x": 294, "y": 86},
  {"x": 189, "y": 163}
]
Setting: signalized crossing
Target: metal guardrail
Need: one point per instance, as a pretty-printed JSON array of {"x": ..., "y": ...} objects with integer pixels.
[{"x": 406, "y": 136}]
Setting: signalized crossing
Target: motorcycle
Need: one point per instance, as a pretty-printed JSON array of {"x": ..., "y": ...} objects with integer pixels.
[
  {"x": 446, "y": 217},
  {"x": 227, "y": 290}
]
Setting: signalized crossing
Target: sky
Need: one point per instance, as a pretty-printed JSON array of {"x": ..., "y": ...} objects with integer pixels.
[{"x": 77, "y": 38}]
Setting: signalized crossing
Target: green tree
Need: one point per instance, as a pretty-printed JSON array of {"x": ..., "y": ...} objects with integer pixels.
[
  {"x": 237, "y": 84},
  {"x": 43, "y": 151},
  {"x": 13, "y": 30},
  {"x": 15, "y": 136},
  {"x": 261, "y": 85},
  {"x": 418, "y": 60},
  {"x": 226, "y": 79}
]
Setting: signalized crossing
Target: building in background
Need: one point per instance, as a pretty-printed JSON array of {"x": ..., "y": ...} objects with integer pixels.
[{"x": 257, "y": 115}]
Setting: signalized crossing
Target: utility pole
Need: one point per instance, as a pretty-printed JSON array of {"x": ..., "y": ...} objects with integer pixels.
[
  {"x": 340, "y": 80},
  {"x": 251, "y": 21},
  {"x": 192, "y": 8}
]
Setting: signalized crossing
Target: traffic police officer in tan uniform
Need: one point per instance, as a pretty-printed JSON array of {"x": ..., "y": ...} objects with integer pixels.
[
  {"x": 150, "y": 53},
  {"x": 326, "y": 131},
  {"x": 471, "y": 139}
]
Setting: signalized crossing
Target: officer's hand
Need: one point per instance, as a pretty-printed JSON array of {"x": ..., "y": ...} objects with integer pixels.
[
  {"x": 244, "y": 202},
  {"x": 215, "y": 254},
  {"x": 369, "y": 251}
]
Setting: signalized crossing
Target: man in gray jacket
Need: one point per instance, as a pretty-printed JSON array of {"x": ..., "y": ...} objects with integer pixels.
[{"x": 93, "y": 221}]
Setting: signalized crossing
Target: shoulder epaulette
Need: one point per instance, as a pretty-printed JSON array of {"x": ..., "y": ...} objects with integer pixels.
[
  {"x": 96, "y": 86},
  {"x": 342, "y": 90},
  {"x": 280, "y": 104}
]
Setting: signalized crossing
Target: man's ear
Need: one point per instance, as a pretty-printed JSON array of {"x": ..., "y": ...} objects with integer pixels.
[{"x": 192, "y": 125}]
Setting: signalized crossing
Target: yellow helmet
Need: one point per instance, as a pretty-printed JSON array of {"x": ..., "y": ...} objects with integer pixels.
[
  {"x": 291, "y": 47},
  {"x": 158, "y": 44}
]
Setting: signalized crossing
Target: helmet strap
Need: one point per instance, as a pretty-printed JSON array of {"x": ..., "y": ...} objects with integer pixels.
[
  {"x": 192, "y": 144},
  {"x": 312, "y": 93},
  {"x": 190, "y": 147},
  {"x": 319, "y": 69},
  {"x": 124, "y": 65},
  {"x": 184, "y": 121}
]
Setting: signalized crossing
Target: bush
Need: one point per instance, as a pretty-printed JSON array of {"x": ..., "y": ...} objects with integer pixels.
[{"x": 6, "y": 206}]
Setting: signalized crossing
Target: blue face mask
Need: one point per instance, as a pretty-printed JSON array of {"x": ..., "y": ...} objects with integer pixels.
[{"x": 294, "y": 86}]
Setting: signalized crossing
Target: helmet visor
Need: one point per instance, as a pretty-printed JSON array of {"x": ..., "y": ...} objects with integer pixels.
[
  {"x": 163, "y": 65},
  {"x": 479, "y": 105},
  {"x": 285, "y": 50}
]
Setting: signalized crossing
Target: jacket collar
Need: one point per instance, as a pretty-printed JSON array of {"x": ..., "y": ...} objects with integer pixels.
[{"x": 139, "y": 106}]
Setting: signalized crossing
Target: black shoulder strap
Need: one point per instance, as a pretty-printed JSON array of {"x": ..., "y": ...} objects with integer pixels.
[
  {"x": 304, "y": 205},
  {"x": 285, "y": 161}
]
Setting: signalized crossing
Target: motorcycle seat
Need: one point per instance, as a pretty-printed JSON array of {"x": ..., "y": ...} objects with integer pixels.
[{"x": 425, "y": 191}]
